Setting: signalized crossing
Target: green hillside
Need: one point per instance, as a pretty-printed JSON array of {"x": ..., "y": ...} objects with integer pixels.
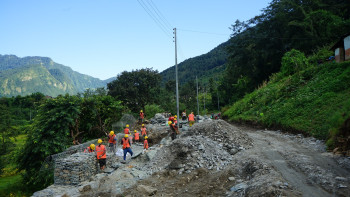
[
  {"x": 23, "y": 76},
  {"x": 314, "y": 101},
  {"x": 206, "y": 66}
]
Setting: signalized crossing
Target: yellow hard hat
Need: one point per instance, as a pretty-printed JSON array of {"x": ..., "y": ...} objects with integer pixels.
[
  {"x": 143, "y": 125},
  {"x": 92, "y": 146},
  {"x": 127, "y": 125},
  {"x": 141, "y": 111},
  {"x": 169, "y": 122},
  {"x": 126, "y": 135},
  {"x": 111, "y": 133},
  {"x": 175, "y": 116},
  {"x": 146, "y": 137},
  {"x": 135, "y": 131},
  {"x": 99, "y": 141}
]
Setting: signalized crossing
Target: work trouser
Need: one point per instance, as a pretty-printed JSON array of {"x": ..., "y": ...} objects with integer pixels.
[
  {"x": 191, "y": 123},
  {"x": 127, "y": 150},
  {"x": 173, "y": 133}
]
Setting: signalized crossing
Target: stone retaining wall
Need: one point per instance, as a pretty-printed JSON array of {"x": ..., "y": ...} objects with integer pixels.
[{"x": 79, "y": 167}]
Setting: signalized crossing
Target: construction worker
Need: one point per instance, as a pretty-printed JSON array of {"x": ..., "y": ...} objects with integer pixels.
[
  {"x": 143, "y": 130},
  {"x": 145, "y": 143},
  {"x": 136, "y": 136},
  {"x": 101, "y": 154},
  {"x": 191, "y": 119},
  {"x": 126, "y": 145},
  {"x": 142, "y": 116},
  {"x": 173, "y": 130},
  {"x": 127, "y": 130},
  {"x": 184, "y": 117},
  {"x": 112, "y": 140},
  {"x": 90, "y": 149}
]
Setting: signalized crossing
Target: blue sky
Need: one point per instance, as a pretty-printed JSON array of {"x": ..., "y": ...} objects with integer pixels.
[{"x": 102, "y": 38}]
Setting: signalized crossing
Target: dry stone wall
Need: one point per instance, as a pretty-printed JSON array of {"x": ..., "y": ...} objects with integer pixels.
[{"x": 79, "y": 167}]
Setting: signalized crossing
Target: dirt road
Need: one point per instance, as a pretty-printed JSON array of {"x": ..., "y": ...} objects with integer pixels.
[
  {"x": 302, "y": 162},
  {"x": 278, "y": 164}
]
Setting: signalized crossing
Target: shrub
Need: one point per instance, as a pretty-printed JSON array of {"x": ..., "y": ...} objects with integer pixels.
[
  {"x": 292, "y": 62},
  {"x": 151, "y": 110}
]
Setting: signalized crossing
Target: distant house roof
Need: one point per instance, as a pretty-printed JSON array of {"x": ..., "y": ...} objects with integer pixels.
[{"x": 340, "y": 41}]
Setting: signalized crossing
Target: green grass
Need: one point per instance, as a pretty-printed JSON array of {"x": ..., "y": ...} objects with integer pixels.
[
  {"x": 314, "y": 101},
  {"x": 11, "y": 180}
]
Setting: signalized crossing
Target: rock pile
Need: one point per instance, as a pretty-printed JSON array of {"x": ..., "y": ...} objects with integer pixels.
[
  {"x": 187, "y": 154},
  {"x": 229, "y": 137},
  {"x": 158, "y": 119}
]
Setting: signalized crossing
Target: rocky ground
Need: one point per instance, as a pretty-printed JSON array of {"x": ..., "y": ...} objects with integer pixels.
[{"x": 215, "y": 158}]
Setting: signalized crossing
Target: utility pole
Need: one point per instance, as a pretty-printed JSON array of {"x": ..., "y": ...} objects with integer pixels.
[
  {"x": 205, "y": 95},
  {"x": 177, "y": 82},
  {"x": 197, "y": 97},
  {"x": 217, "y": 94}
]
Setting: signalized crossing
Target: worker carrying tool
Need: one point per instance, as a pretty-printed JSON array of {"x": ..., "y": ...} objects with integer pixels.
[
  {"x": 90, "y": 149},
  {"x": 126, "y": 146},
  {"x": 112, "y": 140},
  {"x": 173, "y": 130},
  {"x": 145, "y": 143},
  {"x": 101, "y": 154}
]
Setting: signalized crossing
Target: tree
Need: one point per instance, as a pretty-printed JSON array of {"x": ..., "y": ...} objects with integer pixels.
[
  {"x": 49, "y": 134},
  {"x": 137, "y": 88}
]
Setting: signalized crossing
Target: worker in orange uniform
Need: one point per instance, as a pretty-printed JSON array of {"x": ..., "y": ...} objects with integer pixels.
[
  {"x": 126, "y": 145},
  {"x": 90, "y": 149},
  {"x": 142, "y": 116},
  {"x": 191, "y": 119},
  {"x": 173, "y": 130},
  {"x": 112, "y": 140},
  {"x": 136, "y": 136},
  {"x": 101, "y": 154},
  {"x": 143, "y": 130},
  {"x": 127, "y": 131},
  {"x": 145, "y": 143}
]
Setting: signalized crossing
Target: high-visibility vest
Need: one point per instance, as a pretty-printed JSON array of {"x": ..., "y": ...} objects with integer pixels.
[
  {"x": 143, "y": 131},
  {"x": 126, "y": 143},
  {"x": 191, "y": 117},
  {"x": 112, "y": 139},
  {"x": 145, "y": 144},
  {"x": 126, "y": 131},
  {"x": 99, "y": 151},
  {"x": 137, "y": 136},
  {"x": 88, "y": 149},
  {"x": 141, "y": 115}
]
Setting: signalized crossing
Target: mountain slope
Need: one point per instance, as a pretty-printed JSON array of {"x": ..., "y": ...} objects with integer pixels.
[
  {"x": 23, "y": 76},
  {"x": 211, "y": 64}
]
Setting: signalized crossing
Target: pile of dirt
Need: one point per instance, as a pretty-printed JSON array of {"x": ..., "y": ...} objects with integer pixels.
[
  {"x": 231, "y": 138},
  {"x": 189, "y": 153}
]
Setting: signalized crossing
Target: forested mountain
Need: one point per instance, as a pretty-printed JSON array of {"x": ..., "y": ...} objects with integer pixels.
[
  {"x": 206, "y": 66},
  {"x": 23, "y": 76}
]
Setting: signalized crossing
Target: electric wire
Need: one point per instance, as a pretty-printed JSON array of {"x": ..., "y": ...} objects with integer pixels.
[
  {"x": 154, "y": 18},
  {"x": 160, "y": 15}
]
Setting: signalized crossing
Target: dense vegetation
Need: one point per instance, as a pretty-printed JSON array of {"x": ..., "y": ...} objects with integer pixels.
[
  {"x": 257, "y": 46},
  {"x": 305, "y": 97},
  {"x": 57, "y": 124}
]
